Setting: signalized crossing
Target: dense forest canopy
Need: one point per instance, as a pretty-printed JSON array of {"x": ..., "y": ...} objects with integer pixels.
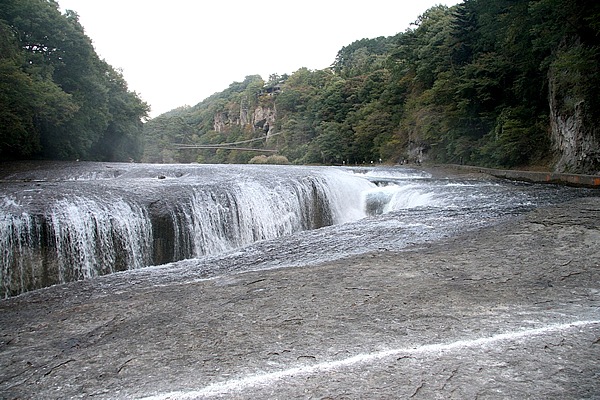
[
  {"x": 506, "y": 83},
  {"x": 474, "y": 83},
  {"x": 58, "y": 99}
]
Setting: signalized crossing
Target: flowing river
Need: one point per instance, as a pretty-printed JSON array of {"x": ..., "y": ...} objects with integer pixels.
[{"x": 62, "y": 222}]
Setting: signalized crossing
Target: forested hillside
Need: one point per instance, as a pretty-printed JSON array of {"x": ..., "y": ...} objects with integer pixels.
[
  {"x": 507, "y": 83},
  {"x": 58, "y": 100}
]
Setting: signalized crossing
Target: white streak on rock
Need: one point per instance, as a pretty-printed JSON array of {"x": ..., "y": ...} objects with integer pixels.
[{"x": 240, "y": 384}]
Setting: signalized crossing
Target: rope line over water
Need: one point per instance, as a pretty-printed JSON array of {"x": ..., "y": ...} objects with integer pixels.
[{"x": 228, "y": 146}]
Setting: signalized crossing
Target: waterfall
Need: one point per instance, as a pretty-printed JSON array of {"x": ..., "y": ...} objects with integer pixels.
[
  {"x": 217, "y": 219},
  {"x": 92, "y": 237},
  {"x": 61, "y": 222},
  {"x": 81, "y": 222},
  {"x": 76, "y": 238},
  {"x": 19, "y": 234},
  {"x": 392, "y": 197}
]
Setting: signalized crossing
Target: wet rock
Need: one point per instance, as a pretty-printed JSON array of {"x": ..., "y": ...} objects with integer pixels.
[{"x": 465, "y": 317}]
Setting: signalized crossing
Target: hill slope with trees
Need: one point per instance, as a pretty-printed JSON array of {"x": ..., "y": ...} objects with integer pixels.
[
  {"x": 502, "y": 83},
  {"x": 58, "y": 99},
  {"x": 487, "y": 82}
]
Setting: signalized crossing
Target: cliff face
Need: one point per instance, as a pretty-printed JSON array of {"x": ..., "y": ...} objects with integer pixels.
[
  {"x": 260, "y": 118},
  {"x": 573, "y": 119},
  {"x": 575, "y": 142},
  {"x": 264, "y": 118}
]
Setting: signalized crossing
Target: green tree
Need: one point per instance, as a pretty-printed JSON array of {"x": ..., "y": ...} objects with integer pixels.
[
  {"x": 467, "y": 84},
  {"x": 334, "y": 142},
  {"x": 56, "y": 93},
  {"x": 30, "y": 103}
]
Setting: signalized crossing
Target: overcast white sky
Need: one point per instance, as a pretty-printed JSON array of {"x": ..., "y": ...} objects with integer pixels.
[{"x": 178, "y": 52}]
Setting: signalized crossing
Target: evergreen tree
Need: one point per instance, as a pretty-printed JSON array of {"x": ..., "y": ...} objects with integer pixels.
[
  {"x": 466, "y": 84},
  {"x": 58, "y": 99}
]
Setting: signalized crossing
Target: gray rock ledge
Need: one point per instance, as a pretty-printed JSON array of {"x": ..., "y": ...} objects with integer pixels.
[{"x": 511, "y": 311}]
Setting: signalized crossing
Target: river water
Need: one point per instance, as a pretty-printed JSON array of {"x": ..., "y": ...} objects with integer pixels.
[{"x": 62, "y": 222}]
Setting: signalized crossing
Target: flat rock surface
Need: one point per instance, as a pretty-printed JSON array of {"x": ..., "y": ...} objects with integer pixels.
[{"x": 510, "y": 311}]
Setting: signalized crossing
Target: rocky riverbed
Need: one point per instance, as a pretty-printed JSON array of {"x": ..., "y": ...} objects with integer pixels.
[{"x": 509, "y": 311}]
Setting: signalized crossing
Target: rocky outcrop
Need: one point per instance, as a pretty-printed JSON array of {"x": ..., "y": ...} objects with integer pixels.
[
  {"x": 260, "y": 119},
  {"x": 264, "y": 118},
  {"x": 575, "y": 142},
  {"x": 509, "y": 311},
  {"x": 221, "y": 120},
  {"x": 574, "y": 133}
]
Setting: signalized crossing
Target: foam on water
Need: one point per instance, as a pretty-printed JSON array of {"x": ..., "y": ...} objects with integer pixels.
[
  {"x": 392, "y": 197},
  {"x": 112, "y": 220},
  {"x": 395, "y": 174},
  {"x": 94, "y": 238},
  {"x": 87, "y": 220}
]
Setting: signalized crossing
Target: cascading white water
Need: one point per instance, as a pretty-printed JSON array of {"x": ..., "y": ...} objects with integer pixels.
[
  {"x": 341, "y": 191},
  {"x": 75, "y": 238},
  {"x": 251, "y": 210},
  {"x": 81, "y": 220},
  {"x": 94, "y": 237},
  {"x": 126, "y": 220},
  {"x": 397, "y": 189},
  {"x": 18, "y": 234},
  {"x": 392, "y": 197}
]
